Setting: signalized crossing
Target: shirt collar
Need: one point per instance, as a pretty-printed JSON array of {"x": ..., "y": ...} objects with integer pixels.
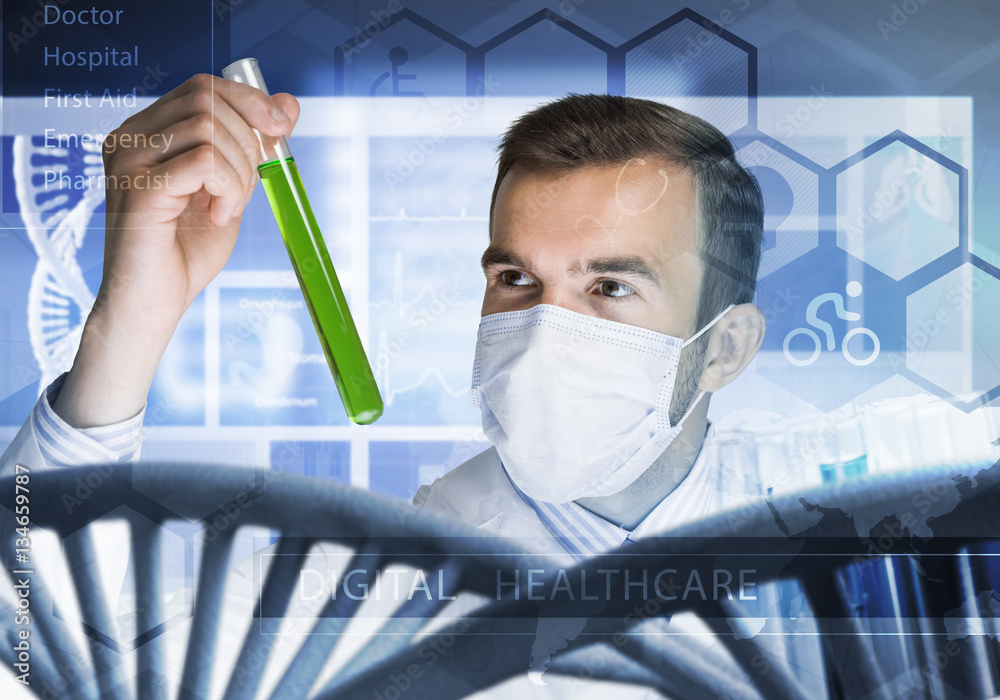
[{"x": 584, "y": 534}]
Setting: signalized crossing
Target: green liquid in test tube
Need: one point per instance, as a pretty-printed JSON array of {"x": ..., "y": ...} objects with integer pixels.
[{"x": 311, "y": 262}]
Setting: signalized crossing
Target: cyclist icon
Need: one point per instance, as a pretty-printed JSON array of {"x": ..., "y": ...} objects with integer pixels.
[
  {"x": 397, "y": 57},
  {"x": 853, "y": 290}
]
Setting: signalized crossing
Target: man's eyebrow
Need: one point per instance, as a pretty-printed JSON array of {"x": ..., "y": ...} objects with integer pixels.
[
  {"x": 495, "y": 256},
  {"x": 625, "y": 265}
]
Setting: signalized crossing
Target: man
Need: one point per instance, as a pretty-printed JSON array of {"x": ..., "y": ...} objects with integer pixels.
[
  {"x": 619, "y": 230},
  {"x": 609, "y": 215}
]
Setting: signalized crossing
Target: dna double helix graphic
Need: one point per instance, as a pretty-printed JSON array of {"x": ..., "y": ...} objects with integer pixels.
[{"x": 56, "y": 217}]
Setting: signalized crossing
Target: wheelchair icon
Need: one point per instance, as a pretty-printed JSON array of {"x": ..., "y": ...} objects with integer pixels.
[
  {"x": 397, "y": 57},
  {"x": 853, "y": 289}
]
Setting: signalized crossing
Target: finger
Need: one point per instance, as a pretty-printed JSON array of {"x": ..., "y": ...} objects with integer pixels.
[
  {"x": 221, "y": 127},
  {"x": 153, "y": 117},
  {"x": 202, "y": 129},
  {"x": 257, "y": 109},
  {"x": 206, "y": 94},
  {"x": 170, "y": 185},
  {"x": 289, "y": 105},
  {"x": 249, "y": 194},
  {"x": 242, "y": 158}
]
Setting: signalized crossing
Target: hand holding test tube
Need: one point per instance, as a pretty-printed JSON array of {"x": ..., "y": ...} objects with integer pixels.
[{"x": 313, "y": 268}]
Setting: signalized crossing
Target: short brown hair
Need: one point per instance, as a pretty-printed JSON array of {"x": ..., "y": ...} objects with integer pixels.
[{"x": 582, "y": 130}]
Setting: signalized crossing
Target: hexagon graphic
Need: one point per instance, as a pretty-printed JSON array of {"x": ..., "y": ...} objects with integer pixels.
[
  {"x": 404, "y": 57},
  {"x": 544, "y": 59},
  {"x": 832, "y": 322},
  {"x": 696, "y": 66},
  {"x": 952, "y": 337},
  {"x": 103, "y": 567},
  {"x": 791, "y": 205},
  {"x": 900, "y": 205}
]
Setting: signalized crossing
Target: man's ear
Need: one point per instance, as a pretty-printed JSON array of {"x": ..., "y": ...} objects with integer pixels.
[{"x": 732, "y": 344}]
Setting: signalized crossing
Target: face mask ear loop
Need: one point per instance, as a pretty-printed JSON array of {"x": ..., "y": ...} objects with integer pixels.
[
  {"x": 701, "y": 392},
  {"x": 708, "y": 325},
  {"x": 690, "y": 408}
]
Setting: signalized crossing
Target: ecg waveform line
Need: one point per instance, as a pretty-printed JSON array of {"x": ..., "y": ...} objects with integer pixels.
[
  {"x": 397, "y": 302},
  {"x": 389, "y": 392},
  {"x": 383, "y": 353}
]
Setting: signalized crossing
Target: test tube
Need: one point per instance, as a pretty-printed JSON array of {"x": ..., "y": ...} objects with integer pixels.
[{"x": 318, "y": 280}]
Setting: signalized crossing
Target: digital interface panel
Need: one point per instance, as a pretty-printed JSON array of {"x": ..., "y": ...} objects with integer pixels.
[{"x": 877, "y": 292}]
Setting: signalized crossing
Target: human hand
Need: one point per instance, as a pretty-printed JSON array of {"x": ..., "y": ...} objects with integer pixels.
[{"x": 179, "y": 175}]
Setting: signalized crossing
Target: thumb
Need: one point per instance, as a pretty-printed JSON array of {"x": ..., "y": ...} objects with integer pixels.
[{"x": 289, "y": 105}]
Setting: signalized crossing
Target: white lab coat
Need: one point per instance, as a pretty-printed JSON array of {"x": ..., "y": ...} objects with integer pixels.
[{"x": 480, "y": 493}]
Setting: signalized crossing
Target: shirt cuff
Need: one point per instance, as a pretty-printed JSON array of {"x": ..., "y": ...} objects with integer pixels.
[{"x": 63, "y": 445}]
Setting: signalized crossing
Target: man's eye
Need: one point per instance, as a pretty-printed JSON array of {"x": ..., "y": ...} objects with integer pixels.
[
  {"x": 611, "y": 288},
  {"x": 513, "y": 278}
]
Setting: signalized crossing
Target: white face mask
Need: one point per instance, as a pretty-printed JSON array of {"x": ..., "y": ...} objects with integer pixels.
[{"x": 576, "y": 406}]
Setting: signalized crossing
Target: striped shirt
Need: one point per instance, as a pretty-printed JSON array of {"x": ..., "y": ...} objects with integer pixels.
[{"x": 62, "y": 445}]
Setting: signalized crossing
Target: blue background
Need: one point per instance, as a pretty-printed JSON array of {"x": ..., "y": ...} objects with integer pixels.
[{"x": 772, "y": 75}]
